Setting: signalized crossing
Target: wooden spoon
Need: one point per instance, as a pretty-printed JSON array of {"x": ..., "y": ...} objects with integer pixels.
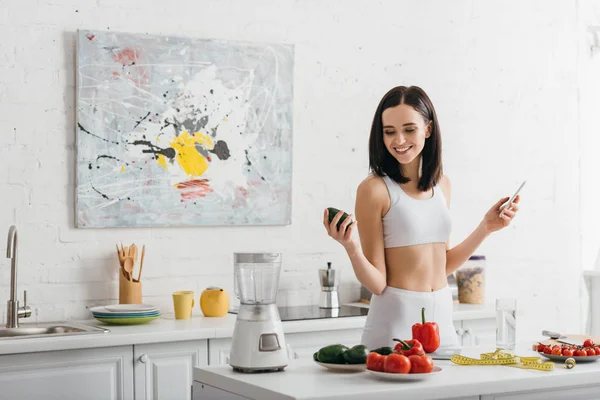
[{"x": 128, "y": 267}]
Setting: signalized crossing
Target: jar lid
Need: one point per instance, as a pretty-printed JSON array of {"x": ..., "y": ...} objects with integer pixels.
[
  {"x": 477, "y": 258},
  {"x": 256, "y": 257}
]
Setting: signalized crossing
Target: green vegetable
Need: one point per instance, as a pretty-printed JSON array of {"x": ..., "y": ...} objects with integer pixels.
[
  {"x": 333, "y": 212},
  {"x": 315, "y": 357},
  {"x": 384, "y": 351},
  {"x": 332, "y": 354},
  {"x": 357, "y": 354}
]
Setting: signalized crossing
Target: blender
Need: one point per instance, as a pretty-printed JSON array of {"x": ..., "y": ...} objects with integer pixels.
[{"x": 258, "y": 344}]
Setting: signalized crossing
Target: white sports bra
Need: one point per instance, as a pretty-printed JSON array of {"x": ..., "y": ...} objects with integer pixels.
[{"x": 411, "y": 221}]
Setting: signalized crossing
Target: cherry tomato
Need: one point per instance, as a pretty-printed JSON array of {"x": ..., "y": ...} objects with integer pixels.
[
  {"x": 588, "y": 343},
  {"x": 590, "y": 351},
  {"x": 376, "y": 361},
  {"x": 541, "y": 347},
  {"x": 597, "y": 350},
  {"x": 396, "y": 364},
  {"x": 567, "y": 352},
  {"x": 556, "y": 351},
  {"x": 547, "y": 350},
  {"x": 580, "y": 353}
]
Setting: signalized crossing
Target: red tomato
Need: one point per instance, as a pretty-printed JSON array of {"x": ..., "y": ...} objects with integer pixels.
[
  {"x": 541, "y": 347},
  {"x": 567, "y": 352},
  {"x": 597, "y": 350},
  {"x": 396, "y": 364},
  {"x": 580, "y": 353},
  {"x": 588, "y": 343},
  {"x": 376, "y": 361},
  {"x": 547, "y": 350},
  {"x": 420, "y": 364},
  {"x": 557, "y": 351},
  {"x": 590, "y": 351}
]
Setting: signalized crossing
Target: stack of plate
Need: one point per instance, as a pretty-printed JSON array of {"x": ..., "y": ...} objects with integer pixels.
[{"x": 126, "y": 314}]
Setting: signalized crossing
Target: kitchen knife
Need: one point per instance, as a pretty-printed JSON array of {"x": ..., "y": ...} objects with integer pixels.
[{"x": 560, "y": 338}]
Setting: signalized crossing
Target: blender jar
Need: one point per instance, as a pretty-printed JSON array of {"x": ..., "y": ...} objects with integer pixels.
[{"x": 256, "y": 277}]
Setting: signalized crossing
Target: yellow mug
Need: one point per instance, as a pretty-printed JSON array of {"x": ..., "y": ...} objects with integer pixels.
[{"x": 183, "y": 303}]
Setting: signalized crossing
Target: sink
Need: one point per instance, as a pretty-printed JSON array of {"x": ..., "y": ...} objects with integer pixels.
[{"x": 49, "y": 330}]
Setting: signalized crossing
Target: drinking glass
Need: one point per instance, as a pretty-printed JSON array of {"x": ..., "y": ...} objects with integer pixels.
[{"x": 506, "y": 323}]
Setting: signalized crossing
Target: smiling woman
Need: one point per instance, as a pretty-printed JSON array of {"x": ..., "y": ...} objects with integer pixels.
[{"x": 404, "y": 256}]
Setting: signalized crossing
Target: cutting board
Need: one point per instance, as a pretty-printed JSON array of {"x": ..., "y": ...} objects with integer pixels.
[{"x": 573, "y": 338}]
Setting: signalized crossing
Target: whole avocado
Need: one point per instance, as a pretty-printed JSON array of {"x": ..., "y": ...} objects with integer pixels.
[
  {"x": 356, "y": 354},
  {"x": 333, "y": 212},
  {"x": 384, "y": 351},
  {"x": 332, "y": 354}
]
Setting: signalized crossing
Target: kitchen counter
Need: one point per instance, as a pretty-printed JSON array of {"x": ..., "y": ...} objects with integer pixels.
[
  {"x": 303, "y": 379},
  {"x": 167, "y": 329}
]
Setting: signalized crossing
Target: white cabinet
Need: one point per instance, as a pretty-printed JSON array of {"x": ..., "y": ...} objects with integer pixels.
[
  {"x": 103, "y": 374},
  {"x": 300, "y": 344},
  {"x": 477, "y": 332},
  {"x": 572, "y": 393},
  {"x": 164, "y": 370}
]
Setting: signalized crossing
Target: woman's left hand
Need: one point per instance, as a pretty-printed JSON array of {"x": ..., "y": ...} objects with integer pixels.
[{"x": 496, "y": 219}]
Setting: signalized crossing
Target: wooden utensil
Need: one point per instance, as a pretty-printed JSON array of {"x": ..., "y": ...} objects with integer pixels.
[
  {"x": 120, "y": 255},
  {"x": 133, "y": 252},
  {"x": 128, "y": 267},
  {"x": 141, "y": 262}
]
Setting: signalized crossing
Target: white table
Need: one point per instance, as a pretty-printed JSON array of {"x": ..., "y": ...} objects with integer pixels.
[{"x": 303, "y": 379}]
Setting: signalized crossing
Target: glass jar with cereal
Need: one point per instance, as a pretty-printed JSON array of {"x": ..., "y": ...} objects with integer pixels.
[{"x": 470, "y": 279}]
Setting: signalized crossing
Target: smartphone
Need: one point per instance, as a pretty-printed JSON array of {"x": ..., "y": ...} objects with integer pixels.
[{"x": 509, "y": 202}]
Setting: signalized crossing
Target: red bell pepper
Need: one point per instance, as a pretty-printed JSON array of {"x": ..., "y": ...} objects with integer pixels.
[
  {"x": 408, "y": 347},
  {"x": 428, "y": 333}
]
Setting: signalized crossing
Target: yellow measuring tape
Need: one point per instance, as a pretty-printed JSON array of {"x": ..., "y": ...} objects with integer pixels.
[{"x": 501, "y": 358}]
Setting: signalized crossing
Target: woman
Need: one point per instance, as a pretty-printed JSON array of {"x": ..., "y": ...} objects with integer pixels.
[{"x": 402, "y": 216}]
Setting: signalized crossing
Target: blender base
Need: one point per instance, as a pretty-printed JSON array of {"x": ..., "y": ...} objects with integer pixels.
[{"x": 258, "y": 370}]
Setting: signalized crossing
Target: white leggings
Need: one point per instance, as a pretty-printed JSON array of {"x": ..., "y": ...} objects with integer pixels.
[{"x": 393, "y": 313}]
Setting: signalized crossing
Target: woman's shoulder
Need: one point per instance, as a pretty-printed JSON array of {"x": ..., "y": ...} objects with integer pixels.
[
  {"x": 445, "y": 185},
  {"x": 372, "y": 187},
  {"x": 444, "y": 182}
]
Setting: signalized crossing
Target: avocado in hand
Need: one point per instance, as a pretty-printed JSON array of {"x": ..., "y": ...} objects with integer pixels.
[
  {"x": 357, "y": 354},
  {"x": 332, "y": 354},
  {"x": 333, "y": 212}
]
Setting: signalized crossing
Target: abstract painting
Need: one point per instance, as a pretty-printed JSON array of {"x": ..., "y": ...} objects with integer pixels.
[{"x": 175, "y": 131}]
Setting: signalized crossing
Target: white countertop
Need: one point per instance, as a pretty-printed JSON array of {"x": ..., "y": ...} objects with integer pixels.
[
  {"x": 304, "y": 379},
  {"x": 167, "y": 329}
]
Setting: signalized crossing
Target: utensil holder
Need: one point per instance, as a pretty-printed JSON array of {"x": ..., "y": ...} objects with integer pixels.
[{"x": 129, "y": 292}]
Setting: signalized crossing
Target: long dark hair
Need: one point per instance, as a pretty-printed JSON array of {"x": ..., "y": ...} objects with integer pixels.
[{"x": 383, "y": 163}]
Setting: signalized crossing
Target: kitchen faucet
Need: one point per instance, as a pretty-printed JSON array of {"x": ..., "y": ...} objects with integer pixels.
[{"x": 14, "y": 312}]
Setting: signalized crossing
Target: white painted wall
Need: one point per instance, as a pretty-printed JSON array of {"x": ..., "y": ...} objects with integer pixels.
[{"x": 505, "y": 77}]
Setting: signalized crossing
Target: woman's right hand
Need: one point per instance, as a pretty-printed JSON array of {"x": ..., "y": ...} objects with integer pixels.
[{"x": 342, "y": 235}]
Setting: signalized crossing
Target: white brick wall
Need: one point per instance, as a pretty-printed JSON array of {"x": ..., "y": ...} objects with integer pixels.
[{"x": 502, "y": 74}]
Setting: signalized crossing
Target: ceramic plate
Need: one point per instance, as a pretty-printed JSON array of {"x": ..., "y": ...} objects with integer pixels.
[
  {"x": 127, "y": 321},
  {"x": 103, "y": 315},
  {"x": 406, "y": 377},
  {"x": 104, "y": 310},
  {"x": 576, "y": 358},
  {"x": 343, "y": 367},
  {"x": 130, "y": 307}
]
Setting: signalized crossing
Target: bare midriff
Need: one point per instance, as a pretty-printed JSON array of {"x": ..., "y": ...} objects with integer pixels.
[{"x": 419, "y": 268}]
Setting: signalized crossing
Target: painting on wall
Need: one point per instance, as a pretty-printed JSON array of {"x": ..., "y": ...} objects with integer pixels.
[{"x": 175, "y": 131}]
